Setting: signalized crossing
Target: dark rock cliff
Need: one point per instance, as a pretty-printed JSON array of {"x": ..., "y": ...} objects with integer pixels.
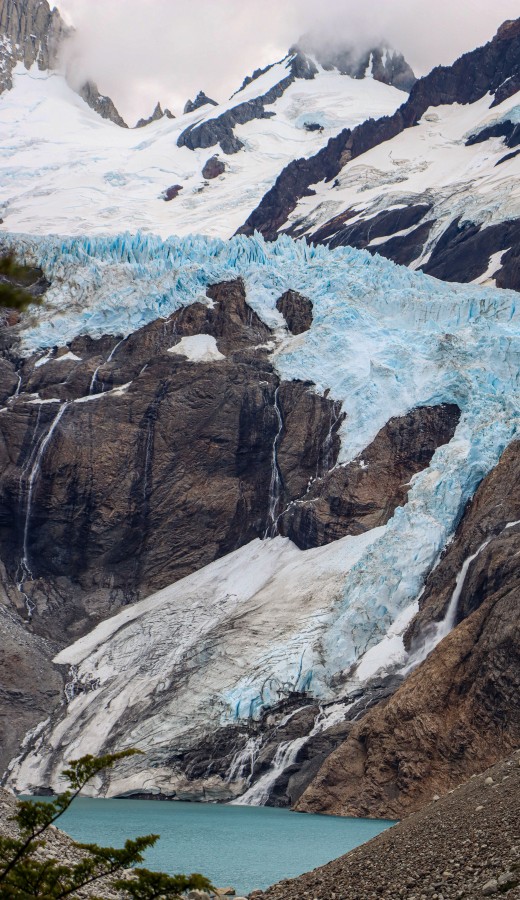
[
  {"x": 200, "y": 100},
  {"x": 157, "y": 114},
  {"x": 137, "y": 466},
  {"x": 382, "y": 62}
]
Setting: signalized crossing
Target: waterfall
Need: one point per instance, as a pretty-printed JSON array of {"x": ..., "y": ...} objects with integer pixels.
[
  {"x": 328, "y": 444},
  {"x": 113, "y": 350},
  {"x": 275, "y": 486},
  {"x": 285, "y": 756},
  {"x": 440, "y": 629},
  {"x": 93, "y": 382},
  {"x": 244, "y": 759},
  {"x": 147, "y": 459},
  {"x": 108, "y": 359},
  {"x": 35, "y": 470}
]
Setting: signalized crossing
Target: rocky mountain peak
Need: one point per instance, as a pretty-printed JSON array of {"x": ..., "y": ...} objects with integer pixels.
[
  {"x": 509, "y": 29},
  {"x": 157, "y": 114},
  {"x": 30, "y": 32},
  {"x": 200, "y": 100},
  {"x": 100, "y": 103},
  {"x": 380, "y": 61}
]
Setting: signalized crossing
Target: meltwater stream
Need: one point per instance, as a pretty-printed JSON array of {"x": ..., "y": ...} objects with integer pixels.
[{"x": 241, "y": 846}]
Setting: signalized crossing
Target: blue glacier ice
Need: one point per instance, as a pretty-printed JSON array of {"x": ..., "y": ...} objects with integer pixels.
[{"x": 384, "y": 339}]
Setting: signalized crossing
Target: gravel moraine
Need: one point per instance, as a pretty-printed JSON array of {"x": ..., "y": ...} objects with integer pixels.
[{"x": 463, "y": 845}]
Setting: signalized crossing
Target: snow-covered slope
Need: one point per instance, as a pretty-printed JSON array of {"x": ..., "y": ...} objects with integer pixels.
[
  {"x": 64, "y": 169},
  {"x": 433, "y": 186},
  {"x": 431, "y": 168},
  {"x": 383, "y": 340}
]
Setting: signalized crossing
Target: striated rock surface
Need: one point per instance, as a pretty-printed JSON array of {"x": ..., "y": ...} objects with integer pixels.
[
  {"x": 458, "y": 711},
  {"x": 30, "y": 685},
  {"x": 30, "y": 32},
  {"x": 128, "y": 442}
]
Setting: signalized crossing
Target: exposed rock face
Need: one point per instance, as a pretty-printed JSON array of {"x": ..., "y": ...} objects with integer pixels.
[
  {"x": 200, "y": 100},
  {"x": 213, "y": 167},
  {"x": 101, "y": 104},
  {"x": 31, "y": 33},
  {"x": 157, "y": 114},
  {"x": 88, "y": 486},
  {"x": 462, "y": 253},
  {"x": 494, "y": 69},
  {"x": 31, "y": 686},
  {"x": 365, "y": 494},
  {"x": 458, "y": 711},
  {"x": 296, "y": 310}
]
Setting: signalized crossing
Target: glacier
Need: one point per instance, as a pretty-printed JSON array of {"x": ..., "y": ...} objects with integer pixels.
[{"x": 384, "y": 339}]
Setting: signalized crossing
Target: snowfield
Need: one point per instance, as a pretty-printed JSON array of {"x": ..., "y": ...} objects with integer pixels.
[{"x": 65, "y": 169}]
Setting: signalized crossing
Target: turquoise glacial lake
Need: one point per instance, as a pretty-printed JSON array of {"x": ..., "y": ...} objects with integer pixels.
[{"x": 242, "y": 846}]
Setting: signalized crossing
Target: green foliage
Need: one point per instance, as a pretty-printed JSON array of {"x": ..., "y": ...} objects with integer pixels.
[
  {"x": 14, "y": 281},
  {"x": 25, "y": 873}
]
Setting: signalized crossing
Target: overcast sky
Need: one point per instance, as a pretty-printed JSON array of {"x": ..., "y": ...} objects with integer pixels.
[{"x": 141, "y": 51}]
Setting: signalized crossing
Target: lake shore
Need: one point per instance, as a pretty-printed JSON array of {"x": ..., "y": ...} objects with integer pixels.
[{"x": 463, "y": 845}]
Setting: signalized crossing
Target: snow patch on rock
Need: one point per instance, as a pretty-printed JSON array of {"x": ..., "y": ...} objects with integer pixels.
[{"x": 198, "y": 348}]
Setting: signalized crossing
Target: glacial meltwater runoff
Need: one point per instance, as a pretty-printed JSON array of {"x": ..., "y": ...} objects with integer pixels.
[{"x": 242, "y": 846}]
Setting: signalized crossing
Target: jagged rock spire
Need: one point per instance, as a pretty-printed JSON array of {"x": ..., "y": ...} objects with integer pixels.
[
  {"x": 157, "y": 114},
  {"x": 200, "y": 100}
]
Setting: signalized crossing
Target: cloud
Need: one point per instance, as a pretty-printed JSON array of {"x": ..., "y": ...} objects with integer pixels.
[{"x": 141, "y": 51}]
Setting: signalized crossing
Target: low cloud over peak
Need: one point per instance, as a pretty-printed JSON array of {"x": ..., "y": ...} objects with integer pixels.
[{"x": 141, "y": 51}]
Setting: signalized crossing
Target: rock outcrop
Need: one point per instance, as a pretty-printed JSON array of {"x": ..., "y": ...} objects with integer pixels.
[
  {"x": 129, "y": 441},
  {"x": 101, "y": 104},
  {"x": 157, "y": 114},
  {"x": 296, "y": 310},
  {"x": 30, "y": 32},
  {"x": 382, "y": 62},
  {"x": 220, "y": 129},
  {"x": 200, "y": 100},
  {"x": 365, "y": 494},
  {"x": 458, "y": 711},
  {"x": 213, "y": 167}
]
